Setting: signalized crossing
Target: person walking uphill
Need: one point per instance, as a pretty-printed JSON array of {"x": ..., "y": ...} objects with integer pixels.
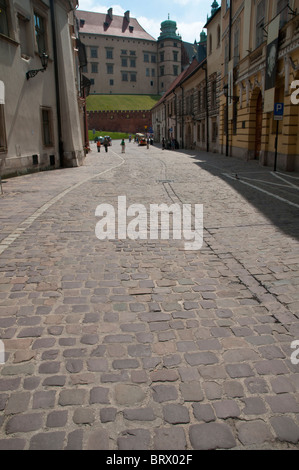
[{"x": 123, "y": 146}]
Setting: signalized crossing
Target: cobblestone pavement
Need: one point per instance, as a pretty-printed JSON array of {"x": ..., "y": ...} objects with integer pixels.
[{"x": 139, "y": 344}]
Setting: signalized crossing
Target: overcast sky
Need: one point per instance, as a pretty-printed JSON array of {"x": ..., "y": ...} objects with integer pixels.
[{"x": 190, "y": 15}]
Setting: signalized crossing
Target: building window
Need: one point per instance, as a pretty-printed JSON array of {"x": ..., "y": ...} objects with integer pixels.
[
  {"x": 147, "y": 72},
  {"x": 40, "y": 33},
  {"x": 109, "y": 53},
  {"x": 213, "y": 93},
  {"x": 153, "y": 59},
  {"x": 94, "y": 52},
  {"x": 4, "y": 29},
  {"x": 92, "y": 81},
  {"x": 133, "y": 77},
  {"x": 47, "y": 128},
  {"x": 204, "y": 99},
  {"x": 24, "y": 32},
  {"x": 282, "y": 9},
  {"x": 161, "y": 56},
  {"x": 175, "y": 56},
  {"x": 111, "y": 82},
  {"x": 132, "y": 52},
  {"x": 260, "y": 22},
  {"x": 110, "y": 69},
  {"x": 146, "y": 58},
  {"x": 124, "y": 52},
  {"x": 236, "y": 47},
  {"x": 161, "y": 71},
  {"x": 226, "y": 57},
  {"x": 210, "y": 44},
  {"x": 199, "y": 100},
  {"x": 218, "y": 36},
  {"x": 124, "y": 62},
  {"x": 133, "y": 63},
  {"x": 124, "y": 77},
  {"x": 214, "y": 130},
  {"x": 175, "y": 70},
  {"x": 94, "y": 68},
  {"x": 153, "y": 72}
]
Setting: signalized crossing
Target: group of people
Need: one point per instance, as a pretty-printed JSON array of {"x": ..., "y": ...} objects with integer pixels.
[
  {"x": 123, "y": 144},
  {"x": 171, "y": 144},
  {"x": 105, "y": 143}
]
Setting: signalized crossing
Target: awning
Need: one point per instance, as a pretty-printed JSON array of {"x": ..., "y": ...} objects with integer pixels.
[{"x": 2, "y": 93}]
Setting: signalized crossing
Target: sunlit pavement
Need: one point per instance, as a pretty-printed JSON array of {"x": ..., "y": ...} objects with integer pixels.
[{"x": 139, "y": 344}]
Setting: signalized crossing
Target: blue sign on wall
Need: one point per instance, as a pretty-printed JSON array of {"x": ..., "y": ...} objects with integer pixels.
[{"x": 278, "y": 111}]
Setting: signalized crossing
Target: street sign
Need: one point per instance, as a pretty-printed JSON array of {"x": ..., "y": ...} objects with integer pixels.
[{"x": 278, "y": 111}]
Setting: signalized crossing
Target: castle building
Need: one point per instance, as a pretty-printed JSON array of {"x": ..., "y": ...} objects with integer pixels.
[{"x": 124, "y": 59}]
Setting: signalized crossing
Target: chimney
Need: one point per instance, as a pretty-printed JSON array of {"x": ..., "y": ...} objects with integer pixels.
[
  {"x": 127, "y": 16},
  {"x": 110, "y": 13}
]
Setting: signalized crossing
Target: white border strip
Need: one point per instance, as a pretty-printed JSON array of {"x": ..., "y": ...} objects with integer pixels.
[{"x": 264, "y": 191}]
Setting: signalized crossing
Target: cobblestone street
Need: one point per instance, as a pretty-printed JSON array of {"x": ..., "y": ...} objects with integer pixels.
[{"x": 140, "y": 344}]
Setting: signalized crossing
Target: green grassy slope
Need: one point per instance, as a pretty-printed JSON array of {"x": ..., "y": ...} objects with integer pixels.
[{"x": 121, "y": 102}]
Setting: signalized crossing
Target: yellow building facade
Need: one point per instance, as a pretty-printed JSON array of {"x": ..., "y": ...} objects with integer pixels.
[{"x": 260, "y": 36}]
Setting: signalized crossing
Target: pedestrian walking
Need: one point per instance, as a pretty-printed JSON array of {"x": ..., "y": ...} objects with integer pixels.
[
  {"x": 163, "y": 144},
  {"x": 123, "y": 146},
  {"x": 99, "y": 146},
  {"x": 147, "y": 143},
  {"x": 106, "y": 145}
]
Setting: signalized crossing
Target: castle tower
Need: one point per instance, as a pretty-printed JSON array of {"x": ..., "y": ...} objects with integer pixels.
[{"x": 169, "y": 55}]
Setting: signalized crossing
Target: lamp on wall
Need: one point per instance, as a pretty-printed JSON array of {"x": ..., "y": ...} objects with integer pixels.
[{"x": 44, "y": 60}]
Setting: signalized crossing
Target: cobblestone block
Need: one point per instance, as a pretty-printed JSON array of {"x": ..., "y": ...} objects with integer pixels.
[
  {"x": 211, "y": 436},
  {"x": 176, "y": 414},
  {"x": 164, "y": 393},
  {"x": 170, "y": 439},
  {"x": 57, "y": 419},
  {"x": 134, "y": 439},
  {"x": 139, "y": 414},
  {"x": 254, "y": 432},
  {"x": 24, "y": 423},
  {"x": 285, "y": 429}
]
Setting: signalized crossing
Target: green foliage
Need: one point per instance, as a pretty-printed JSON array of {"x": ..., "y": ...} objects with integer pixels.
[
  {"x": 113, "y": 135},
  {"x": 121, "y": 102}
]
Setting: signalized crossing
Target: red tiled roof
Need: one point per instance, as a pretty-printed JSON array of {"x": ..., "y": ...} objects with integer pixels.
[{"x": 101, "y": 23}]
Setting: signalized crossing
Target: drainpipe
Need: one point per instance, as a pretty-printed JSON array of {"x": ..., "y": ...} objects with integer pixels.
[{"x": 56, "y": 73}]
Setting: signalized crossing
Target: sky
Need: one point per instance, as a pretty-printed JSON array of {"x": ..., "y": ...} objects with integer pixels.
[{"x": 190, "y": 15}]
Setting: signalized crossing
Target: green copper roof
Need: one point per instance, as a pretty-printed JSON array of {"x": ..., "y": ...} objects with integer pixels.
[{"x": 168, "y": 30}]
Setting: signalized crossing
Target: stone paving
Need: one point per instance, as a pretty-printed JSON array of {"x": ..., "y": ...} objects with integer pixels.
[{"x": 139, "y": 344}]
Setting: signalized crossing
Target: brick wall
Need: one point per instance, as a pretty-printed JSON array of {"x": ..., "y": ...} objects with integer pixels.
[{"x": 119, "y": 121}]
